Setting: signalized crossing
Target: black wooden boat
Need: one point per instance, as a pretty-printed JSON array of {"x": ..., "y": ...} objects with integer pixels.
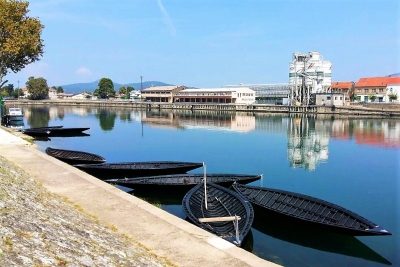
[
  {"x": 138, "y": 169},
  {"x": 310, "y": 210},
  {"x": 74, "y": 157},
  {"x": 181, "y": 182},
  {"x": 225, "y": 213},
  {"x": 54, "y": 131}
]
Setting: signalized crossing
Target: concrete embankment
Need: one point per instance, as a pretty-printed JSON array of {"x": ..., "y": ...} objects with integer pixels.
[
  {"x": 174, "y": 240},
  {"x": 370, "y": 110}
]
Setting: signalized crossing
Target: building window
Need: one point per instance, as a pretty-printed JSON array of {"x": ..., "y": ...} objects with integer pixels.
[
  {"x": 328, "y": 98},
  {"x": 366, "y": 90}
]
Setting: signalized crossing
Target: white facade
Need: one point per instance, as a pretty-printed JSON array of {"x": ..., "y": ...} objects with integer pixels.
[
  {"x": 308, "y": 74},
  {"x": 52, "y": 93},
  {"x": 80, "y": 96},
  {"x": 238, "y": 95},
  {"x": 392, "y": 89},
  {"x": 135, "y": 95}
]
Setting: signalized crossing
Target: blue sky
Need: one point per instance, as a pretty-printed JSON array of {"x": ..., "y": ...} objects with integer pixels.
[{"x": 211, "y": 43}]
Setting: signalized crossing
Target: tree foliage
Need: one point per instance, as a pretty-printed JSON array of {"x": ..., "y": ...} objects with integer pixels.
[
  {"x": 7, "y": 90},
  {"x": 122, "y": 90},
  {"x": 37, "y": 88},
  {"x": 17, "y": 93},
  {"x": 20, "y": 42},
  {"x": 60, "y": 90},
  {"x": 372, "y": 98},
  {"x": 393, "y": 96},
  {"x": 106, "y": 88}
]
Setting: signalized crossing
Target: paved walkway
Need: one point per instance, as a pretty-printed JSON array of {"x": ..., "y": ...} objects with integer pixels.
[{"x": 164, "y": 234}]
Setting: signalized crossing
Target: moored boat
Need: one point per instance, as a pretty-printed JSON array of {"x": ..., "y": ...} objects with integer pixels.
[
  {"x": 14, "y": 114},
  {"x": 219, "y": 210},
  {"x": 310, "y": 210},
  {"x": 74, "y": 157},
  {"x": 138, "y": 169},
  {"x": 52, "y": 131},
  {"x": 181, "y": 182}
]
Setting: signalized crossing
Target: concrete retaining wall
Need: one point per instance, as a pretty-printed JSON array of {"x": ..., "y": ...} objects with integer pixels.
[{"x": 379, "y": 111}]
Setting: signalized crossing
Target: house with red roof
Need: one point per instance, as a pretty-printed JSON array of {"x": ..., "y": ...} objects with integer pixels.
[
  {"x": 346, "y": 88},
  {"x": 377, "y": 89}
]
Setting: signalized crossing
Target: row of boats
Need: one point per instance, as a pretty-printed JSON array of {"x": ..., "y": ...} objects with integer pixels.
[{"x": 222, "y": 204}]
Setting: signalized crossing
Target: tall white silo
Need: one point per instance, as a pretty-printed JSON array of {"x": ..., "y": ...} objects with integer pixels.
[{"x": 308, "y": 74}]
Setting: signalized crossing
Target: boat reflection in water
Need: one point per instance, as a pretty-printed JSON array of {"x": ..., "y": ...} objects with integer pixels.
[
  {"x": 277, "y": 227},
  {"x": 18, "y": 125},
  {"x": 47, "y": 138}
]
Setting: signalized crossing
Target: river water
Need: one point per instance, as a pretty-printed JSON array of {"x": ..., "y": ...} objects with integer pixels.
[{"x": 354, "y": 163}]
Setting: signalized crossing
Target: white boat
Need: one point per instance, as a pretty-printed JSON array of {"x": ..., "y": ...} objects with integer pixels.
[{"x": 14, "y": 114}]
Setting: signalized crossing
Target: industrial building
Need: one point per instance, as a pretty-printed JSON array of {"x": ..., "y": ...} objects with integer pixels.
[
  {"x": 308, "y": 74},
  {"x": 238, "y": 95},
  {"x": 268, "y": 93}
]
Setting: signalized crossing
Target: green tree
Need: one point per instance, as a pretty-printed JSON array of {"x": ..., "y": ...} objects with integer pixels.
[
  {"x": 37, "y": 88},
  {"x": 392, "y": 97},
  {"x": 353, "y": 96},
  {"x": 3, "y": 92},
  {"x": 20, "y": 42},
  {"x": 372, "y": 97},
  {"x": 9, "y": 89},
  {"x": 129, "y": 89},
  {"x": 60, "y": 90},
  {"x": 106, "y": 88},
  {"x": 17, "y": 93},
  {"x": 122, "y": 90}
]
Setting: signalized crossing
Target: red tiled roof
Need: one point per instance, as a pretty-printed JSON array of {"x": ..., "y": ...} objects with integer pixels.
[
  {"x": 377, "y": 81},
  {"x": 341, "y": 85}
]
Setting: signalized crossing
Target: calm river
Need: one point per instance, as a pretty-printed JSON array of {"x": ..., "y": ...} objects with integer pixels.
[{"x": 354, "y": 163}]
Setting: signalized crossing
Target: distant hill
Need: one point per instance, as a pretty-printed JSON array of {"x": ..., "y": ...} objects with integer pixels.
[
  {"x": 394, "y": 75},
  {"x": 76, "y": 88}
]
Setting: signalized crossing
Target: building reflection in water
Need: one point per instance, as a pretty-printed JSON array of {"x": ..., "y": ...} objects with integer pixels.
[
  {"x": 307, "y": 135},
  {"x": 308, "y": 141},
  {"x": 204, "y": 119}
]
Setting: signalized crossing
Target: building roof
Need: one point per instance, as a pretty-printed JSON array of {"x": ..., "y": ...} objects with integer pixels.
[
  {"x": 227, "y": 89},
  {"x": 161, "y": 88},
  {"x": 377, "y": 81},
  {"x": 341, "y": 85}
]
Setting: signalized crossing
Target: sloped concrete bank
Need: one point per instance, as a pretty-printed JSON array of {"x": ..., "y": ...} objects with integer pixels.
[{"x": 53, "y": 214}]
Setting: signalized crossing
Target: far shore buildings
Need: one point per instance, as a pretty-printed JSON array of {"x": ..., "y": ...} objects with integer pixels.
[
  {"x": 172, "y": 94},
  {"x": 377, "y": 89}
]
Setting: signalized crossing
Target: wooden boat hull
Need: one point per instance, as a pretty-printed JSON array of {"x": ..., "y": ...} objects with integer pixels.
[
  {"x": 309, "y": 210},
  {"x": 163, "y": 184},
  {"x": 221, "y": 202},
  {"x": 74, "y": 157},
  {"x": 137, "y": 169},
  {"x": 54, "y": 132}
]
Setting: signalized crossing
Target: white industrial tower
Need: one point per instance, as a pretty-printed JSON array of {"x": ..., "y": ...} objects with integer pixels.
[{"x": 308, "y": 74}]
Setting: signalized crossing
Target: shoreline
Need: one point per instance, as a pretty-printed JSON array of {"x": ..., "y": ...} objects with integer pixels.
[{"x": 365, "y": 110}]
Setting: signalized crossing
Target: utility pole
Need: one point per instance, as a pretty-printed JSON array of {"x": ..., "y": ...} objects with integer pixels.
[
  {"x": 18, "y": 91},
  {"x": 141, "y": 83}
]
